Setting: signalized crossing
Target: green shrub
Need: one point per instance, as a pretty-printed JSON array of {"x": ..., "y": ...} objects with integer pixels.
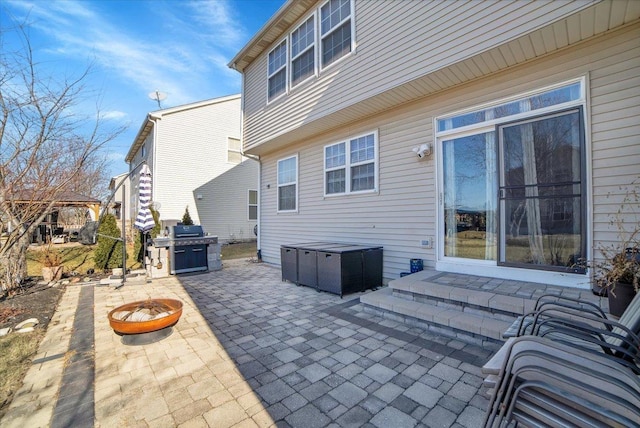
[
  {"x": 186, "y": 218},
  {"x": 108, "y": 254}
]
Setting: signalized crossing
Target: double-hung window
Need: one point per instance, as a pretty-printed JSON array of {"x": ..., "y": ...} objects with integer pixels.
[
  {"x": 278, "y": 70},
  {"x": 335, "y": 30},
  {"x": 303, "y": 51},
  {"x": 351, "y": 166},
  {"x": 288, "y": 184},
  {"x": 253, "y": 205},
  {"x": 296, "y": 57}
]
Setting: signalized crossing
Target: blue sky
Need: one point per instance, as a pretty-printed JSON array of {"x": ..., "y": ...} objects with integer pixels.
[{"x": 179, "y": 47}]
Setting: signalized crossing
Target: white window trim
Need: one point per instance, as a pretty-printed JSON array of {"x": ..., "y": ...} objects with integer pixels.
[
  {"x": 317, "y": 45},
  {"x": 249, "y": 204},
  {"x": 320, "y": 37},
  {"x": 348, "y": 165},
  {"x": 491, "y": 267},
  {"x": 314, "y": 46},
  {"x": 278, "y": 210},
  {"x": 512, "y": 98},
  {"x": 286, "y": 72}
]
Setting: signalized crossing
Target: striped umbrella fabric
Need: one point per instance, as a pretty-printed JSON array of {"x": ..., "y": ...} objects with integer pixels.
[{"x": 144, "y": 219}]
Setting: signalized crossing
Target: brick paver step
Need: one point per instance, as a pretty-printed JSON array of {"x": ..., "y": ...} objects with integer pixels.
[
  {"x": 457, "y": 320},
  {"x": 422, "y": 286}
]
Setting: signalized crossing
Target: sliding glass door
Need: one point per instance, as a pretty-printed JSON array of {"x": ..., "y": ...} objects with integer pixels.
[
  {"x": 469, "y": 198},
  {"x": 541, "y": 221},
  {"x": 512, "y": 182}
]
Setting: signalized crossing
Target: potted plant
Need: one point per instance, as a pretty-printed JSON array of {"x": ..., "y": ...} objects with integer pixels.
[
  {"x": 618, "y": 271},
  {"x": 51, "y": 260}
]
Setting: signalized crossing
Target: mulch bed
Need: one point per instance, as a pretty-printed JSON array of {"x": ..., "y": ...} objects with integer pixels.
[{"x": 34, "y": 300}]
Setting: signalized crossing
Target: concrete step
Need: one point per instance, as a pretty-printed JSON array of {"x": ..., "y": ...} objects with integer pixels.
[
  {"x": 419, "y": 287},
  {"x": 477, "y": 308},
  {"x": 451, "y": 321}
]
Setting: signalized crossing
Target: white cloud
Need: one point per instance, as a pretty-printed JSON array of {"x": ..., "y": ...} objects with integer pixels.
[
  {"x": 219, "y": 16},
  {"x": 114, "y": 115},
  {"x": 183, "y": 62}
]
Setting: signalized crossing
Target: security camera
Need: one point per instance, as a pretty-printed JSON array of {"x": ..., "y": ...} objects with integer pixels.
[{"x": 423, "y": 150}]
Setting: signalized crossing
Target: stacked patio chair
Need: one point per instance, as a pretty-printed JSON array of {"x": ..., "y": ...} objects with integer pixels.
[
  {"x": 546, "y": 383},
  {"x": 581, "y": 325}
]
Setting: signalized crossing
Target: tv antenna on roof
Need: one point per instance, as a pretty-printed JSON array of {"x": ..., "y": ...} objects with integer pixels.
[{"x": 158, "y": 96}]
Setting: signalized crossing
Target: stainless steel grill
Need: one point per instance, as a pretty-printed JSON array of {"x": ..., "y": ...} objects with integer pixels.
[{"x": 187, "y": 248}]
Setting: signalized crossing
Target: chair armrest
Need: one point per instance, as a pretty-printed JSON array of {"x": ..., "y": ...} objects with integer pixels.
[{"x": 569, "y": 302}]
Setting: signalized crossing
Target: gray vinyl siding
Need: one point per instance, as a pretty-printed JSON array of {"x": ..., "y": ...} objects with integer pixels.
[
  {"x": 615, "y": 107},
  {"x": 405, "y": 208},
  {"x": 398, "y": 42}
]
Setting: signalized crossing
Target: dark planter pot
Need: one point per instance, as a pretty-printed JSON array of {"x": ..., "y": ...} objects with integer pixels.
[{"x": 624, "y": 294}]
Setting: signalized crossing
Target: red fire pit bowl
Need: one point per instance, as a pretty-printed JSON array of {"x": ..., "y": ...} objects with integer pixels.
[{"x": 172, "y": 308}]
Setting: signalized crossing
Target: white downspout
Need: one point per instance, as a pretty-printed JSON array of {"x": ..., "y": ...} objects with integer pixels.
[
  {"x": 257, "y": 159},
  {"x": 154, "y": 119}
]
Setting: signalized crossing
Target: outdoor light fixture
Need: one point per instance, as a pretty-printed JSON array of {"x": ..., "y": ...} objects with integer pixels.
[{"x": 423, "y": 150}]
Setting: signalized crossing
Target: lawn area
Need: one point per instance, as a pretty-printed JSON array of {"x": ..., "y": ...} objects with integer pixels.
[
  {"x": 16, "y": 351},
  {"x": 238, "y": 250},
  {"x": 79, "y": 258},
  {"x": 75, "y": 258}
]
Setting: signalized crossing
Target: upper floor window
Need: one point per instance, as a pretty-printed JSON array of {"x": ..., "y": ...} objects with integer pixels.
[
  {"x": 335, "y": 30},
  {"x": 288, "y": 184},
  {"x": 278, "y": 70},
  {"x": 303, "y": 51},
  {"x": 234, "y": 153},
  {"x": 296, "y": 58},
  {"x": 350, "y": 166}
]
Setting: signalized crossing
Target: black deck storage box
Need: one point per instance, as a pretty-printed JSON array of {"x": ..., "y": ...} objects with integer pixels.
[
  {"x": 307, "y": 262},
  {"x": 372, "y": 267},
  {"x": 289, "y": 262},
  {"x": 335, "y": 268},
  {"x": 349, "y": 269}
]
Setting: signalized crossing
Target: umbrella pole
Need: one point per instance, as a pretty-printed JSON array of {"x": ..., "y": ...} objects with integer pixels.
[
  {"x": 144, "y": 251},
  {"x": 124, "y": 240}
]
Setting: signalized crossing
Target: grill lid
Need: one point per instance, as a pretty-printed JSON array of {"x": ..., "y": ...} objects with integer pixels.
[{"x": 190, "y": 231}]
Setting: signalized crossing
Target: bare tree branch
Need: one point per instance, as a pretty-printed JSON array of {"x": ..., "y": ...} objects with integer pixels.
[{"x": 46, "y": 149}]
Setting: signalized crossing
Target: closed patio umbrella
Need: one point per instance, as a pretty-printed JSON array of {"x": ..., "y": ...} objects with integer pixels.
[{"x": 144, "y": 220}]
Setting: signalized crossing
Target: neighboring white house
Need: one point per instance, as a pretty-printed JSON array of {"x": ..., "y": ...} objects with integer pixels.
[
  {"x": 526, "y": 116},
  {"x": 194, "y": 153},
  {"x": 117, "y": 186}
]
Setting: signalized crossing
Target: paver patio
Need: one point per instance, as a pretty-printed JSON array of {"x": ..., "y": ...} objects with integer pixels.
[{"x": 251, "y": 350}]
